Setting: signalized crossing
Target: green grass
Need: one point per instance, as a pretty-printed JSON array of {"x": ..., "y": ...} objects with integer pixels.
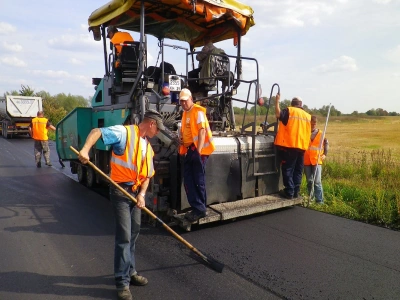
[
  {"x": 362, "y": 186},
  {"x": 51, "y": 135}
]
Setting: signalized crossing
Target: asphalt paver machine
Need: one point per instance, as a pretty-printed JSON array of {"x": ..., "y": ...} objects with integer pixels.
[{"x": 243, "y": 174}]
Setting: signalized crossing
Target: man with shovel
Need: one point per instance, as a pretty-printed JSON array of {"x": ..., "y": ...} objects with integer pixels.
[{"x": 131, "y": 167}]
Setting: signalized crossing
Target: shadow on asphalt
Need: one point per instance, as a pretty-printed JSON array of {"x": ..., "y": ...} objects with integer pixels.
[{"x": 33, "y": 283}]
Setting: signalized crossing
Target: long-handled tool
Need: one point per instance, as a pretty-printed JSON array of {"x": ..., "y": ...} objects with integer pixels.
[
  {"x": 319, "y": 148},
  {"x": 215, "y": 265}
]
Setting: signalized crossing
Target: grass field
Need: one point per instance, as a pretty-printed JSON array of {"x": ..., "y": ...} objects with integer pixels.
[{"x": 353, "y": 135}]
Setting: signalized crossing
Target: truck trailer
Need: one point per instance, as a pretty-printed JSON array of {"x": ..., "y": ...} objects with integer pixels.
[
  {"x": 16, "y": 113},
  {"x": 243, "y": 173}
]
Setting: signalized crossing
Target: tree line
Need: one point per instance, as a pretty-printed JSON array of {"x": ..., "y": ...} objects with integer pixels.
[
  {"x": 55, "y": 107},
  {"x": 269, "y": 107}
]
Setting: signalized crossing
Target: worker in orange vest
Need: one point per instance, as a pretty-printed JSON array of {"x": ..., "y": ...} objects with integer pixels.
[
  {"x": 197, "y": 145},
  {"x": 38, "y": 131},
  {"x": 117, "y": 38},
  {"x": 292, "y": 140},
  {"x": 313, "y": 158},
  {"x": 131, "y": 167}
]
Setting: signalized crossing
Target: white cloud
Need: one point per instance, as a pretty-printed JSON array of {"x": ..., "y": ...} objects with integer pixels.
[
  {"x": 61, "y": 76},
  {"x": 12, "y": 47},
  {"x": 294, "y": 13},
  {"x": 382, "y": 1},
  {"x": 51, "y": 73},
  {"x": 6, "y": 28},
  {"x": 75, "y": 61},
  {"x": 7, "y": 82},
  {"x": 341, "y": 64},
  {"x": 394, "y": 54},
  {"x": 12, "y": 61},
  {"x": 73, "y": 42}
]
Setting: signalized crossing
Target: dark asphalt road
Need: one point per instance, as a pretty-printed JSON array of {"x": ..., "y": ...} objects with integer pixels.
[{"x": 57, "y": 243}]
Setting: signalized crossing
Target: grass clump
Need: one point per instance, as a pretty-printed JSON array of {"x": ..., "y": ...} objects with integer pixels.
[{"x": 362, "y": 186}]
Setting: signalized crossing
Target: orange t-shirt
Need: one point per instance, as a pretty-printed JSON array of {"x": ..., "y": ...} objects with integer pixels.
[{"x": 120, "y": 37}]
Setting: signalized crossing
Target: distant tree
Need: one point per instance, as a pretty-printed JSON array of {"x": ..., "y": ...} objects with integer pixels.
[
  {"x": 381, "y": 112},
  {"x": 324, "y": 111},
  {"x": 284, "y": 104},
  {"x": 371, "y": 112},
  {"x": 55, "y": 107},
  {"x": 261, "y": 110},
  {"x": 43, "y": 94},
  {"x": 26, "y": 91},
  {"x": 269, "y": 105},
  {"x": 314, "y": 111},
  {"x": 354, "y": 113},
  {"x": 69, "y": 102},
  {"x": 237, "y": 110},
  {"x": 393, "y": 113},
  {"x": 53, "y": 111},
  {"x": 13, "y": 93}
]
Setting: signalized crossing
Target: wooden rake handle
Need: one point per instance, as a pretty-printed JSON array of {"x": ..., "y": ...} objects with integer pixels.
[{"x": 145, "y": 209}]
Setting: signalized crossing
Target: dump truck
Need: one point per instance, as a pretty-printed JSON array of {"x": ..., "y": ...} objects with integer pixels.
[
  {"x": 243, "y": 173},
  {"x": 16, "y": 113}
]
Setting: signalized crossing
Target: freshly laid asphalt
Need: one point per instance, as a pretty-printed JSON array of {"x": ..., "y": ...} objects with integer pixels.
[{"x": 57, "y": 241}]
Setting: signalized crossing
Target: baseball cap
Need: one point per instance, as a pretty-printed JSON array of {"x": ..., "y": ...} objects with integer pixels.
[
  {"x": 185, "y": 94},
  {"x": 156, "y": 116}
]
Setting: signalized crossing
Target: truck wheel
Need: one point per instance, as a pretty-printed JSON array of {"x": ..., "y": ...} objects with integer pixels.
[
  {"x": 90, "y": 177},
  {"x": 81, "y": 172},
  {"x": 74, "y": 167}
]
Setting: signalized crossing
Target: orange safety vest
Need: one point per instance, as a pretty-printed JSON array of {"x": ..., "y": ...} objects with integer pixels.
[
  {"x": 208, "y": 146},
  {"x": 131, "y": 166},
  {"x": 311, "y": 155},
  {"x": 39, "y": 129},
  {"x": 297, "y": 132}
]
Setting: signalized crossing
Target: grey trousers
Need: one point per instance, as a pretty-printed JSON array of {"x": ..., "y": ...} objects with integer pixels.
[{"x": 39, "y": 147}]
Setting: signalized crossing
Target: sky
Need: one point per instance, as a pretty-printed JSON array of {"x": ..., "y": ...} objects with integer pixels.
[{"x": 340, "y": 52}]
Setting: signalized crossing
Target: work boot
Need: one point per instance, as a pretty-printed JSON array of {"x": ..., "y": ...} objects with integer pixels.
[
  {"x": 39, "y": 164},
  {"x": 193, "y": 216},
  {"x": 138, "y": 280},
  {"x": 124, "y": 294},
  {"x": 283, "y": 194},
  {"x": 48, "y": 164}
]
